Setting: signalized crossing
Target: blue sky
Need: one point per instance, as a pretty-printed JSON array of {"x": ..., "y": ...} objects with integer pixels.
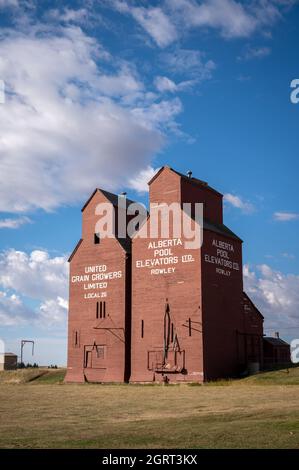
[{"x": 102, "y": 93}]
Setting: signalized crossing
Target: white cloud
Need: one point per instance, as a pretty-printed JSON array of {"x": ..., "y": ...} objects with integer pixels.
[
  {"x": 233, "y": 19},
  {"x": 153, "y": 20},
  {"x": 37, "y": 277},
  {"x": 140, "y": 182},
  {"x": 9, "y": 3},
  {"x": 230, "y": 17},
  {"x": 12, "y": 310},
  {"x": 162, "y": 112},
  {"x": 239, "y": 203},
  {"x": 53, "y": 311},
  {"x": 255, "y": 53},
  {"x": 66, "y": 116},
  {"x": 165, "y": 85},
  {"x": 14, "y": 223},
  {"x": 69, "y": 15},
  {"x": 192, "y": 62},
  {"x": 275, "y": 294},
  {"x": 157, "y": 24},
  {"x": 285, "y": 216},
  {"x": 34, "y": 275},
  {"x": 87, "y": 16}
]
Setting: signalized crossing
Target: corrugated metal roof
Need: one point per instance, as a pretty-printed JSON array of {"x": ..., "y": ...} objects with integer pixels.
[
  {"x": 75, "y": 249},
  {"x": 195, "y": 181},
  {"x": 220, "y": 228},
  {"x": 246, "y": 297},
  {"x": 113, "y": 198},
  {"x": 275, "y": 341}
]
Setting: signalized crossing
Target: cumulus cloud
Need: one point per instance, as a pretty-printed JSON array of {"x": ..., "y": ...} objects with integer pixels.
[
  {"x": 193, "y": 62},
  {"x": 71, "y": 109},
  {"x": 228, "y": 16},
  {"x": 152, "y": 19},
  {"x": 231, "y": 18},
  {"x": 140, "y": 182},
  {"x": 162, "y": 113},
  {"x": 12, "y": 310},
  {"x": 33, "y": 279},
  {"x": 53, "y": 311},
  {"x": 14, "y": 223},
  {"x": 285, "y": 216},
  {"x": 165, "y": 84},
  {"x": 239, "y": 203},
  {"x": 275, "y": 294},
  {"x": 35, "y": 275}
]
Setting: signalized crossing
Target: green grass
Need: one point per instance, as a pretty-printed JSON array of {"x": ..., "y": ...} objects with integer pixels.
[
  {"x": 287, "y": 376},
  {"x": 51, "y": 377},
  {"x": 278, "y": 377},
  {"x": 261, "y": 411}
]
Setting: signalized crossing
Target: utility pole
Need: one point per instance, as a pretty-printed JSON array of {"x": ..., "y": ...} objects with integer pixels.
[{"x": 23, "y": 342}]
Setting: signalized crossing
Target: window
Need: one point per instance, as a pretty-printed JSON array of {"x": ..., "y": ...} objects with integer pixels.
[
  {"x": 142, "y": 328},
  {"x": 97, "y": 239},
  {"x": 189, "y": 326},
  {"x": 100, "y": 352},
  {"x": 76, "y": 339},
  {"x": 97, "y": 310},
  {"x": 102, "y": 309}
]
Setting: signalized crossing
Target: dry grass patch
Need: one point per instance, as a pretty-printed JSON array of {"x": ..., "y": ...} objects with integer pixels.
[{"x": 126, "y": 416}]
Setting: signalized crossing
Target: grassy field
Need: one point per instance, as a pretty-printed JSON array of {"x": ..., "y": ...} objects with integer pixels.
[{"x": 38, "y": 411}]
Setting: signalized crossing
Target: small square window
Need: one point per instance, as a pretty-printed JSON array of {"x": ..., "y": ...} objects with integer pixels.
[
  {"x": 97, "y": 239},
  {"x": 142, "y": 328}
]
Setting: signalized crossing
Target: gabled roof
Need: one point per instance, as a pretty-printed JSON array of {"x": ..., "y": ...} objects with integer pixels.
[
  {"x": 220, "y": 228},
  {"x": 194, "y": 181},
  {"x": 126, "y": 244},
  {"x": 275, "y": 341},
  {"x": 246, "y": 297},
  {"x": 75, "y": 249},
  {"x": 113, "y": 198}
]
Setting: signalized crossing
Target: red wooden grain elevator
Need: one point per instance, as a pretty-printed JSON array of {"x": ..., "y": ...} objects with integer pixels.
[
  {"x": 99, "y": 325},
  {"x": 148, "y": 308}
]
